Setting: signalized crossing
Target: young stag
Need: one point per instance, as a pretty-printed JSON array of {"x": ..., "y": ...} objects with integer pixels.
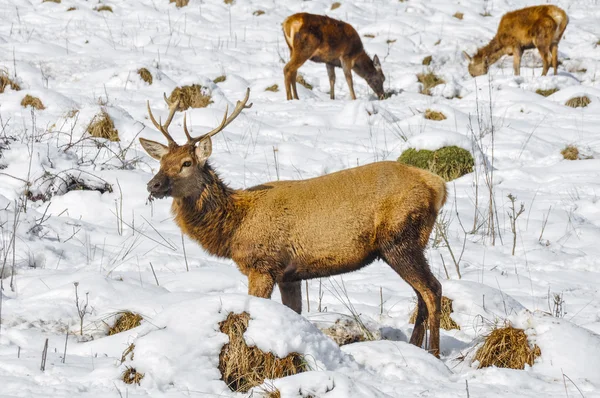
[
  {"x": 286, "y": 231},
  {"x": 538, "y": 27},
  {"x": 332, "y": 42}
]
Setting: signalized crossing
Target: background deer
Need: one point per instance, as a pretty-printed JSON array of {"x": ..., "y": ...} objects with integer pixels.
[
  {"x": 335, "y": 43},
  {"x": 538, "y": 27},
  {"x": 286, "y": 231}
]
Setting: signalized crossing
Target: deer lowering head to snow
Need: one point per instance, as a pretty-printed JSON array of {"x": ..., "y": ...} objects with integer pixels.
[
  {"x": 538, "y": 27},
  {"x": 336, "y": 44},
  {"x": 286, "y": 231}
]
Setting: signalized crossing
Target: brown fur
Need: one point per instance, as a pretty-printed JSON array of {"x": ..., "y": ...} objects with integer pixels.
[
  {"x": 330, "y": 41},
  {"x": 538, "y": 27}
]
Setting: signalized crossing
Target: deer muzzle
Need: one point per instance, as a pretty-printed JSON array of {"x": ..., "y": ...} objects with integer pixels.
[{"x": 159, "y": 186}]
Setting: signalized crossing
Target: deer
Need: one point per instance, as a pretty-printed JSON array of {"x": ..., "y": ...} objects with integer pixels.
[
  {"x": 336, "y": 44},
  {"x": 538, "y": 27},
  {"x": 283, "y": 232}
]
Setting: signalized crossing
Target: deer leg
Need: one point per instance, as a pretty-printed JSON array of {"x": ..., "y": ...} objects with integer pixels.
[
  {"x": 347, "y": 67},
  {"x": 291, "y": 295},
  {"x": 419, "y": 330},
  {"x": 260, "y": 285},
  {"x": 554, "y": 49},
  {"x": 290, "y": 71},
  {"x": 544, "y": 53},
  {"x": 331, "y": 74},
  {"x": 517, "y": 52}
]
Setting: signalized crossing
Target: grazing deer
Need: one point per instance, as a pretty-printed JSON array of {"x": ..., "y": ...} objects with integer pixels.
[
  {"x": 332, "y": 42},
  {"x": 538, "y": 27},
  {"x": 285, "y": 231}
]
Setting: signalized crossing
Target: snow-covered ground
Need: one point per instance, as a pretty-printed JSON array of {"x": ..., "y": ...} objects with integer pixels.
[{"x": 83, "y": 58}]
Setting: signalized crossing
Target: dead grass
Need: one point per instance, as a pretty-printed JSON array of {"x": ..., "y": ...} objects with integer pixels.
[
  {"x": 220, "y": 79},
  {"x": 434, "y": 115},
  {"x": 6, "y": 81},
  {"x": 229, "y": 2},
  {"x": 446, "y": 322},
  {"x": 128, "y": 352},
  {"x": 546, "y": 93},
  {"x": 369, "y": 35},
  {"x": 346, "y": 331},
  {"x": 194, "y": 96},
  {"x": 103, "y": 7},
  {"x": 243, "y": 367},
  {"x": 578, "y": 102},
  {"x": 51, "y": 1},
  {"x": 429, "y": 80},
  {"x": 458, "y": 15},
  {"x": 274, "y": 88},
  {"x": 126, "y": 320},
  {"x": 145, "y": 75},
  {"x": 71, "y": 8},
  {"x": 180, "y": 3},
  {"x": 102, "y": 126},
  {"x": 258, "y": 13},
  {"x": 507, "y": 347},
  {"x": 427, "y": 60},
  {"x": 72, "y": 113},
  {"x": 131, "y": 376},
  {"x": 33, "y": 102},
  {"x": 336, "y": 5},
  {"x": 300, "y": 80},
  {"x": 570, "y": 152}
]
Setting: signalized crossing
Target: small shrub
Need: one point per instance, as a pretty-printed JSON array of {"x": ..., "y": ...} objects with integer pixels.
[
  {"x": 6, "y": 81},
  {"x": 570, "y": 152},
  {"x": 458, "y": 15},
  {"x": 578, "y": 102},
  {"x": 446, "y": 322},
  {"x": 449, "y": 162},
  {"x": 336, "y": 5},
  {"x": 300, "y": 80},
  {"x": 220, "y": 79},
  {"x": 103, "y": 7},
  {"x": 180, "y": 3},
  {"x": 429, "y": 80},
  {"x": 274, "y": 88},
  {"x": 434, "y": 115},
  {"x": 546, "y": 93},
  {"x": 194, "y": 96},
  {"x": 33, "y": 102},
  {"x": 145, "y": 75},
  {"x": 126, "y": 320},
  {"x": 507, "y": 347},
  {"x": 131, "y": 376},
  {"x": 102, "y": 126},
  {"x": 258, "y": 13},
  {"x": 243, "y": 367},
  {"x": 427, "y": 60}
]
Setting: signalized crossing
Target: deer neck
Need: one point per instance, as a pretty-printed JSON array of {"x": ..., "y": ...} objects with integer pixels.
[
  {"x": 212, "y": 216},
  {"x": 363, "y": 66},
  {"x": 493, "y": 51}
]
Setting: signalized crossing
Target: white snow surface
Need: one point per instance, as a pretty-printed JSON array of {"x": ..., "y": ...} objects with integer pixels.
[{"x": 87, "y": 60}]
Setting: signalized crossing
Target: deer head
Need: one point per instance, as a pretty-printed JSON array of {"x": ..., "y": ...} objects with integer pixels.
[
  {"x": 375, "y": 80},
  {"x": 478, "y": 64},
  {"x": 183, "y": 170}
]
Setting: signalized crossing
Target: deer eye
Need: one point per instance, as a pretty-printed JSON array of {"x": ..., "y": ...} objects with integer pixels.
[{"x": 187, "y": 163}]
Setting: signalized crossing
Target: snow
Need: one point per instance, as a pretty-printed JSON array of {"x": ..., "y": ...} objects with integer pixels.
[{"x": 126, "y": 253}]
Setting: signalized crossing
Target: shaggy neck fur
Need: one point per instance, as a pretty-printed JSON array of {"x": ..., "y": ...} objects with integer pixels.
[
  {"x": 211, "y": 216},
  {"x": 493, "y": 51}
]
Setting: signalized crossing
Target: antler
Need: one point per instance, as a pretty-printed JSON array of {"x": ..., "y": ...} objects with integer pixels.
[
  {"x": 239, "y": 106},
  {"x": 164, "y": 127}
]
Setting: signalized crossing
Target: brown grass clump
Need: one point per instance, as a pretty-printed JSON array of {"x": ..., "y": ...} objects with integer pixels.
[
  {"x": 546, "y": 93},
  {"x": 336, "y": 5},
  {"x": 103, "y": 7},
  {"x": 51, "y": 1},
  {"x": 145, "y": 75},
  {"x": 274, "y": 88},
  {"x": 130, "y": 376},
  {"x": 6, "y": 81},
  {"x": 71, "y": 8},
  {"x": 429, "y": 80},
  {"x": 180, "y": 3},
  {"x": 33, "y": 102},
  {"x": 128, "y": 352},
  {"x": 578, "y": 102},
  {"x": 434, "y": 115},
  {"x": 369, "y": 35},
  {"x": 102, "y": 126},
  {"x": 570, "y": 152},
  {"x": 229, "y": 2},
  {"x": 458, "y": 15},
  {"x": 243, "y": 367},
  {"x": 507, "y": 347},
  {"x": 258, "y": 13},
  {"x": 446, "y": 322},
  {"x": 220, "y": 79},
  {"x": 126, "y": 321},
  {"x": 427, "y": 60},
  {"x": 194, "y": 96},
  {"x": 300, "y": 80}
]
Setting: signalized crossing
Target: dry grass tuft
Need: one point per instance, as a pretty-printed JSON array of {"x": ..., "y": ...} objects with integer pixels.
[
  {"x": 128, "y": 352},
  {"x": 229, "y": 2},
  {"x": 103, "y": 7},
  {"x": 130, "y": 376},
  {"x": 6, "y": 81},
  {"x": 300, "y": 80},
  {"x": 507, "y": 347},
  {"x": 446, "y": 322},
  {"x": 126, "y": 320},
  {"x": 546, "y": 93},
  {"x": 243, "y": 367},
  {"x": 449, "y": 162},
  {"x": 274, "y": 88},
  {"x": 570, "y": 152},
  {"x": 369, "y": 35},
  {"x": 145, "y": 75},
  {"x": 427, "y": 60},
  {"x": 51, "y": 1},
  {"x": 578, "y": 102},
  {"x": 71, "y": 8},
  {"x": 258, "y": 13},
  {"x": 180, "y": 3},
  {"x": 33, "y": 102},
  {"x": 336, "y": 5},
  {"x": 458, "y": 15},
  {"x": 346, "y": 331},
  {"x": 429, "y": 80},
  {"x": 102, "y": 126},
  {"x": 220, "y": 79},
  {"x": 434, "y": 115},
  {"x": 194, "y": 96},
  {"x": 72, "y": 113}
]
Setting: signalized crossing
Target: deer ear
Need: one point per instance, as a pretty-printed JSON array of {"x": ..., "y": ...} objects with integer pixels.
[
  {"x": 467, "y": 56},
  {"x": 154, "y": 149},
  {"x": 203, "y": 150},
  {"x": 376, "y": 62}
]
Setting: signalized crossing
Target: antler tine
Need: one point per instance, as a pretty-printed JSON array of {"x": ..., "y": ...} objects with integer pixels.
[
  {"x": 172, "y": 109},
  {"x": 185, "y": 130},
  {"x": 158, "y": 125}
]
